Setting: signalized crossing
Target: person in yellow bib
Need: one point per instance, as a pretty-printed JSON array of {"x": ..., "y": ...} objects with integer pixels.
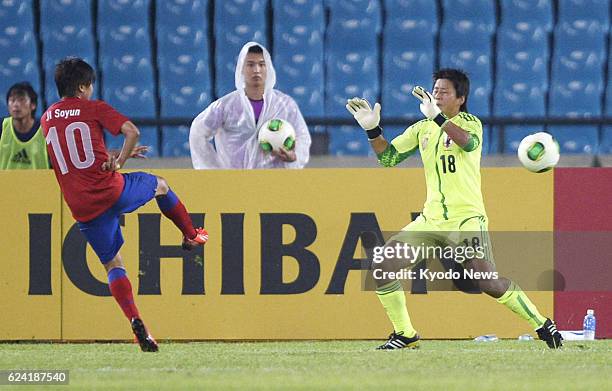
[
  {"x": 449, "y": 140},
  {"x": 22, "y": 143}
]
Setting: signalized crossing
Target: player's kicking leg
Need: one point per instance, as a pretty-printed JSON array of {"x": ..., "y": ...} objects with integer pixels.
[
  {"x": 173, "y": 208},
  {"x": 391, "y": 295},
  {"x": 121, "y": 289},
  {"x": 512, "y": 296}
]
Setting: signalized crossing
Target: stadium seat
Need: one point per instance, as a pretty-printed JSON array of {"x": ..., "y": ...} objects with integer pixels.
[
  {"x": 402, "y": 71},
  {"x": 605, "y": 145},
  {"x": 366, "y": 15},
  {"x": 236, "y": 23},
  {"x": 408, "y": 16},
  {"x": 113, "y": 13},
  {"x": 17, "y": 13},
  {"x": 463, "y": 46},
  {"x": 352, "y": 55},
  {"x": 525, "y": 11},
  {"x": 348, "y": 141},
  {"x": 62, "y": 41},
  {"x": 298, "y": 29},
  {"x": 575, "y": 99},
  {"x": 180, "y": 12},
  {"x": 184, "y": 85},
  {"x": 523, "y": 36},
  {"x": 591, "y": 11},
  {"x": 148, "y": 137},
  {"x": 54, "y": 14},
  {"x": 301, "y": 76},
  {"x": 184, "y": 75},
  {"x": 175, "y": 141},
  {"x": 479, "y": 12},
  {"x": 350, "y": 74},
  {"x": 127, "y": 83},
  {"x": 124, "y": 39},
  {"x": 520, "y": 100},
  {"x": 513, "y": 135},
  {"x": 582, "y": 139},
  {"x": 15, "y": 37}
]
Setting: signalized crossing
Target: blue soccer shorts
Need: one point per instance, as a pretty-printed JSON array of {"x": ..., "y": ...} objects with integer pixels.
[{"x": 104, "y": 232}]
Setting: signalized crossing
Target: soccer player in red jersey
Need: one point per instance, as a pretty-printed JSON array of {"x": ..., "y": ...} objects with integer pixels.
[{"x": 96, "y": 193}]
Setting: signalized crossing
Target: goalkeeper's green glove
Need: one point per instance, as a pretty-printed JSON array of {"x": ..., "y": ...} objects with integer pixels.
[
  {"x": 428, "y": 105},
  {"x": 367, "y": 118}
]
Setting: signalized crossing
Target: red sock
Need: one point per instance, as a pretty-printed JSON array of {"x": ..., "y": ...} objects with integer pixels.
[
  {"x": 179, "y": 216},
  {"x": 121, "y": 290}
]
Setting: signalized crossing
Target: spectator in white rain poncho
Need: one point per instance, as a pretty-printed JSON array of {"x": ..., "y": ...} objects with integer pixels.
[{"x": 233, "y": 120}]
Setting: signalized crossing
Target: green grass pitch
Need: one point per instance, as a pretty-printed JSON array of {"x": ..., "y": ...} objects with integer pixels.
[{"x": 334, "y": 365}]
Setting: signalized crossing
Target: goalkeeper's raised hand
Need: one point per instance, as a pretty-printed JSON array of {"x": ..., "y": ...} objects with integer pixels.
[
  {"x": 367, "y": 117},
  {"x": 428, "y": 105}
]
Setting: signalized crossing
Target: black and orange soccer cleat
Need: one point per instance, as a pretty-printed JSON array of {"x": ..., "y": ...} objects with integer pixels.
[
  {"x": 199, "y": 240},
  {"x": 145, "y": 340}
]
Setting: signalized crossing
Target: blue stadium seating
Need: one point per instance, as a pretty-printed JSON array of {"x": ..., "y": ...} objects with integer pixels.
[
  {"x": 184, "y": 85},
  {"x": 175, "y": 141},
  {"x": 576, "y": 139},
  {"x": 365, "y": 15},
  {"x": 184, "y": 76},
  {"x": 402, "y": 71},
  {"x": 522, "y": 36},
  {"x": 15, "y": 37},
  {"x": 352, "y": 54},
  {"x": 62, "y": 41},
  {"x": 236, "y": 23},
  {"x": 17, "y": 13},
  {"x": 513, "y": 134},
  {"x": 113, "y": 13},
  {"x": 408, "y": 16},
  {"x": 592, "y": 11},
  {"x": 526, "y": 66},
  {"x": 128, "y": 85},
  {"x": 605, "y": 145},
  {"x": 298, "y": 27},
  {"x": 301, "y": 76},
  {"x": 479, "y": 12},
  {"x": 350, "y": 74},
  {"x": 148, "y": 137},
  {"x": 575, "y": 99},
  {"x": 537, "y": 12},
  {"x": 520, "y": 100},
  {"x": 407, "y": 62},
  {"x": 348, "y": 141},
  {"x": 181, "y": 12},
  {"x": 54, "y": 14},
  {"x": 124, "y": 39},
  {"x": 577, "y": 70}
]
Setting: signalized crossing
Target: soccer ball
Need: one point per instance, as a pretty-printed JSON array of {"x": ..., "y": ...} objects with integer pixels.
[
  {"x": 539, "y": 152},
  {"x": 276, "y": 133}
]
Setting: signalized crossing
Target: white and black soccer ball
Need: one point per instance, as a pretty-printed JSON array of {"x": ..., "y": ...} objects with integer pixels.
[
  {"x": 276, "y": 133},
  {"x": 539, "y": 152}
]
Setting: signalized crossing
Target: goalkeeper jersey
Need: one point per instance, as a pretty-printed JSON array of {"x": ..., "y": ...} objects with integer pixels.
[{"x": 452, "y": 175}]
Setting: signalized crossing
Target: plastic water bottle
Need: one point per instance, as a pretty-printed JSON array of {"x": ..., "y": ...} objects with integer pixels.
[{"x": 589, "y": 325}]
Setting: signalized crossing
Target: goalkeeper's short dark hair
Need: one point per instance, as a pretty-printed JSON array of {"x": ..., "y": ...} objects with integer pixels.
[{"x": 460, "y": 81}]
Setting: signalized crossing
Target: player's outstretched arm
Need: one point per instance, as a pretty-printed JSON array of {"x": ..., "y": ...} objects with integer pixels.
[{"x": 369, "y": 120}]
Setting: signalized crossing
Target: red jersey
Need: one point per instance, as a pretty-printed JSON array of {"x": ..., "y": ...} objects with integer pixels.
[{"x": 74, "y": 132}]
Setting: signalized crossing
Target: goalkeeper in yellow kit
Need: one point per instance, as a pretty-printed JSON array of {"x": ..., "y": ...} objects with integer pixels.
[{"x": 450, "y": 143}]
